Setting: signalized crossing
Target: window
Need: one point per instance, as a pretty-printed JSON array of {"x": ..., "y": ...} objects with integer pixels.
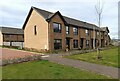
[
  {"x": 67, "y": 30},
  {"x": 87, "y": 32},
  {"x": 35, "y": 30},
  {"x": 75, "y": 42},
  {"x": 87, "y": 43},
  {"x": 57, "y": 27},
  {"x": 101, "y": 34},
  {"x": 75, "y": 31},
  {"x": 7, "y": 35},
  {"x": 98, "y": 33},
  {"x": 57, "y": 44},
  {"x": 106, "y": 33}
]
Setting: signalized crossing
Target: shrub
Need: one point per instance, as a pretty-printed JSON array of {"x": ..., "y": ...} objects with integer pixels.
[
  {"x": 36, "y": 50},
  {"x": 20, "y": 60}
]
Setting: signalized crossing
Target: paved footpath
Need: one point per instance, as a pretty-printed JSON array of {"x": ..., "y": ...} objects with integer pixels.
[{"x": 101, "y": 69}]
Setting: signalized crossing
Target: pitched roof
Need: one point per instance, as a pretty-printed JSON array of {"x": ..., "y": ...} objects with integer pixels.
[
  {"x": 8, "y": 30},
  {"x": 105, "y": 29},
  {"x": 47, "y": 15},
  {"x": 44, "y": 13}
]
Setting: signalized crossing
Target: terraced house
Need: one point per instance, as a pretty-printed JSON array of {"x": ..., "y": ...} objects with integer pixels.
[{"x": 45, "y": 30}]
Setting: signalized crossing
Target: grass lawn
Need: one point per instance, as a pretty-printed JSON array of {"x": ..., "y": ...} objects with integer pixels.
[
  {"x": 46, "y": 70},
  {"x": 109, "y": 57},
  {"x": 0, "y": 72}
]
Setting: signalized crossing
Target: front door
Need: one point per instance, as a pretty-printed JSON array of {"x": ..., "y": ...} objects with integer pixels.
[
  {"x": 68, "y": 43},
  {"x": 92, "y": 43},
  {"x": 81, "y": 43},
  {"x": 102, "y": 43}
]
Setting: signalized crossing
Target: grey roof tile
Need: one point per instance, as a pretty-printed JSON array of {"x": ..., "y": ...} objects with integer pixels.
[
  {"x": 71, "y": 21},
  {"x": 8, "y": 30}
]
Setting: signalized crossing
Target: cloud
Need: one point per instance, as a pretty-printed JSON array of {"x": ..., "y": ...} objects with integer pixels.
[{"x": 14, "y": 12}]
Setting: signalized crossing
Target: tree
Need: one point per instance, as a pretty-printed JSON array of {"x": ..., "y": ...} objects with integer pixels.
[{"x": 99, "y": 10}]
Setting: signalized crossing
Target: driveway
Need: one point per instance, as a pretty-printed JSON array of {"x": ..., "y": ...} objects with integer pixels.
[{"x": 6, "y": 53}]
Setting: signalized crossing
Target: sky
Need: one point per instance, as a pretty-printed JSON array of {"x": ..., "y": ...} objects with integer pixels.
[{"x": 14, "y": 12}]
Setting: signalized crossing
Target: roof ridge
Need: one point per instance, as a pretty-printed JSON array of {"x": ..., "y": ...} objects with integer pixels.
[
  {"x": 42, "y": 9},
  {"x": 64, "y": 16},
  {"x": 80, "y": 20},
  {"x": 10, "y": 27},
  {"x": 74, "y": 19},
  {"x": 55, "y": 12}
]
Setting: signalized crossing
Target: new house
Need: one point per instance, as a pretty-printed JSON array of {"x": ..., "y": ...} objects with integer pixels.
[
  {"x": 44, "y": 30},
  {"x": 11, "y": 36}
]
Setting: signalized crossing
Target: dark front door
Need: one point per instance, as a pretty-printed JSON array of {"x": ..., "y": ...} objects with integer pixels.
[
  {"x": 102, "y": 43},
  {"x": 92, "y": 43},
  {"x": 81, "y": 42},
  {"x": 68, "y": 43}
]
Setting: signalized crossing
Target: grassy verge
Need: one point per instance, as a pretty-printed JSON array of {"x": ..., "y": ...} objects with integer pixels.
[
  {"x": 46, "y": 70},
  {"x": 0, "y": 72},
  {"x": 109, "y": 57}
]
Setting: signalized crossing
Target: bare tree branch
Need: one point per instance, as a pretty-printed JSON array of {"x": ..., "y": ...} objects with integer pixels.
[{"x": 99, "y": 10}]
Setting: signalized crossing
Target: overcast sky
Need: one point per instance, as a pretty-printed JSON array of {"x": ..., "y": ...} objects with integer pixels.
[{"x": 14, "y": 12}]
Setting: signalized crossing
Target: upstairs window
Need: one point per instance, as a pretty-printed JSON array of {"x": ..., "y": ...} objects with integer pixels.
[
  {"x": 67, "y": 30},
  {"x": 105, "y": 33},
  {"x": 57, "y": 27},
  {"x": 75, "y": 31},
  {"x": 98, "y": 33},
  {"x": 7, "y": 35},
  {"x": 35, "y": 30},
  {"x": 87, "y": 32},
  {"x": 101, "y": 34}
]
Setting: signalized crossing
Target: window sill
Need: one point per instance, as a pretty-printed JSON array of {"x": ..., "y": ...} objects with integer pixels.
[
  {"x": 75, "y": 35},
  {"x": 57, "y": 32}
]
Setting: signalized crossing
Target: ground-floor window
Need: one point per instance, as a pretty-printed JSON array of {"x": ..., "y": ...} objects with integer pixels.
[
  {"x": 57, "y": 43},
  {"x": 87, "y": 43},
  {"x": 75, "y": 43}
]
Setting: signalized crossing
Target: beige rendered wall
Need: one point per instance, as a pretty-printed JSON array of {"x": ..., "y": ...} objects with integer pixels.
[
  {"x": 39, "y": 41},
  {"x": 1, "y": 38}
]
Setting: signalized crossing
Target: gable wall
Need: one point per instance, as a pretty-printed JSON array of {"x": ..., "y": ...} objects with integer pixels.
[
  {"x": 1, "y": 38},
  {"x": 39, "y": 41}
]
